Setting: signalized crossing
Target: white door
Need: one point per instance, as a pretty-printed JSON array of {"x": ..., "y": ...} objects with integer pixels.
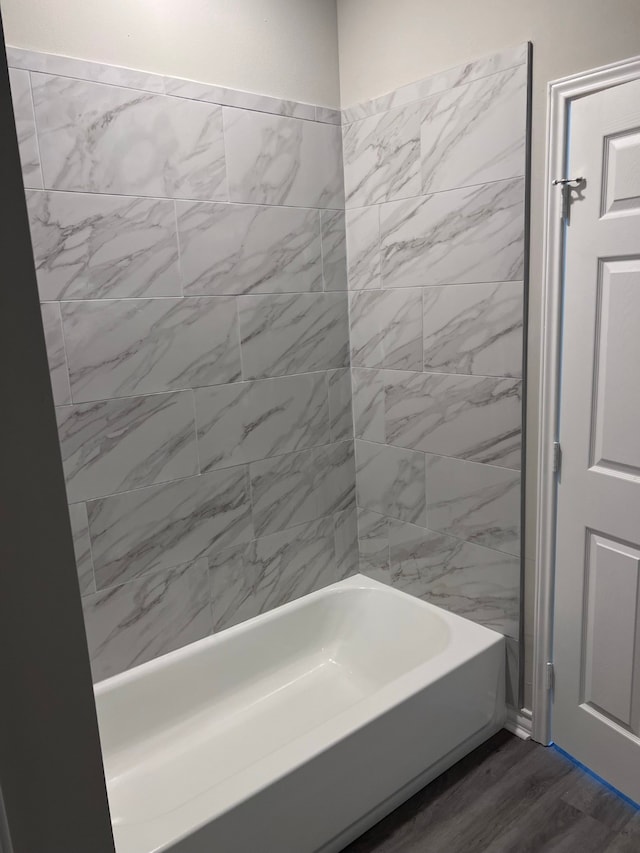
[{"x": 596, "y": 709}]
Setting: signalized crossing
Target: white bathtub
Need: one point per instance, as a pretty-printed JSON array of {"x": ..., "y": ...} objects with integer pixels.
[{"x": 297, "y": 730}]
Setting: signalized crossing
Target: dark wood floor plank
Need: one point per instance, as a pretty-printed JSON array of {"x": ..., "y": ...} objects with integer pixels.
[
  {"x": 553, "y": 826},
  {"x": 508, "y": 796},
  {"x": 627, "y": 841},
  {"x": 622, "y": 844},
  {"x": 455, "y": 790},
  {"x": 592, "y": 798},
  {"x": 496, "y": 809}
]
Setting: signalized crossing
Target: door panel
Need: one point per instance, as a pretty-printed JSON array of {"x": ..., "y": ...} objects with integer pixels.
[
  {"x": 621, "y": 172},
  {"x": 611, "y": 654},
  {"x": 616, "y": 422},
  {"x": 597, "y": 615}
]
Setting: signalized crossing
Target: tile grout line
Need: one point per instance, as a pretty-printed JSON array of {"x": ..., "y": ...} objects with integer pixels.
[
  {"x": 322, "y": 264},
  {"x": 234, "y": 384},
  {"x": 328, "y": 398},
  {"x": 90, "y": 540},
  {"x": 35, "y": 130},
  {"x": 431, "y": 453},
  {"x": 64, "y": 349},
  {"x": 205, "y": 473},
  {"x": 180, "y": 272},
  {"x": 243, "y": 378},
  {"x": 196, "y": 432},
  {"x": 211, "y": 201},
  {"x": 204, "y": 201},
  {"x": 437, "y": 373},
  {"x": 427, "y": 196},
  {"x": 291, "y": 293}
]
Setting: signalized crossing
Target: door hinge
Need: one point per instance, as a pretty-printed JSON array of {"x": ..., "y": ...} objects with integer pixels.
[
  {"x": 557, "y": 457},
  {"x": 549, "y": 676}
]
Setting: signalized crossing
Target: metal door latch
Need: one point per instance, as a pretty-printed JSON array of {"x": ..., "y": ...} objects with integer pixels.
[
  {"x": 549, "y": 676},
  {"x": 567, "y": 185}
]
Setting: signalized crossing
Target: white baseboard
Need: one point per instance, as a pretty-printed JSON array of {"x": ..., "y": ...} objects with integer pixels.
[{"x": 519, "y": 722}]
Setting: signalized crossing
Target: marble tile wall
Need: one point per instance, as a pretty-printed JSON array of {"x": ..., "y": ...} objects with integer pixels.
[
  {"x": 434, "y": 195},
  {"x": 285, "y": 342},
  {"x": 190, "y": 251}
]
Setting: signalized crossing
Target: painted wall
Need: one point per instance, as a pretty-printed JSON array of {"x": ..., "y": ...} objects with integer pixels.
[
  {"x": 292, "y": 44},
  {"x": 414, "y": 38},
  {"x": 193, "y": 289}
]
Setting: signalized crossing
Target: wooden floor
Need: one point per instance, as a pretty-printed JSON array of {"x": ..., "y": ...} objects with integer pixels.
[{"x": 509, "y": 796}]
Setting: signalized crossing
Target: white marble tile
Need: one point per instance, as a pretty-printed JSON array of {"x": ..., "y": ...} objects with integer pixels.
[
  {"x": 244, "y": 248},
  {"x": 473, "y": 234},
  {"x": 116, "y": 445},
  {"x": 96, "y": 246},
  {"x": 299, "y": 333},
  {"x": 270, "y": 571},
  {"x": 475, "y": 582},
  {"x": 373, "y": 544},
  {"x": 334, "y": 250},
  {"x": 440, "y": 82},
  {"x": 279, "y": 160},
  {"x": 162, "y": 526},
  {"x": 82, "y": 69},
  {"x": 299, "y": 487},
  {"x": 363, "y": 248},
  {"x": 25, "y": 127},
  {"x": 345, "y": 526},
  {"x": 237, "y": 98},
  {"x": 368, "y": 404},
  {"x": 82, "y": 548},
  {"x": 474, "y": 328},
  {"x": 475, "y": 133},
  {"x": 386, "y": 328},
  {"x": 247, "y": 421},
  {"x": 97, "y": 138},
  {"x": 138, "y": 621},
  {"x": 478, "y": 503},
  {"x": 469, "y": 417},
  {"x": 56, "y": 355},
  {"x": 329, "y": 115},
  {"x": 340, "y": 404},
  {"x": 381, "y": 157},
  {"x": 390, "y": 481},
  {"x": 119, "y": 348}
]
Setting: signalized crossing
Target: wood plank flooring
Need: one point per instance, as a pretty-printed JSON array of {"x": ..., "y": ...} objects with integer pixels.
[{"x": 509, "y": 796}]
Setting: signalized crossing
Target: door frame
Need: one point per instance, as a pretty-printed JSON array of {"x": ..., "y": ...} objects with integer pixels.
[{"x": 560, "y": 94}]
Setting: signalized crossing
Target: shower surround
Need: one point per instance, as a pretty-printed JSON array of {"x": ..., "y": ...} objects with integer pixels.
[{"x": 207, "y": 310}]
